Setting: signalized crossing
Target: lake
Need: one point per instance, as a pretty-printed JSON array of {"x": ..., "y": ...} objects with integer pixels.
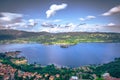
[{"x": 73, "y": 56}]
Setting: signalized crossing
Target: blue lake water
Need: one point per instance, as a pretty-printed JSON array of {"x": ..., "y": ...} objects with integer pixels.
[{"x": 73, "y": 56}]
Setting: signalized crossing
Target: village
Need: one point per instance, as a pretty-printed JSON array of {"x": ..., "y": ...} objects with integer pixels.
[{"x": 14, "y": 69}]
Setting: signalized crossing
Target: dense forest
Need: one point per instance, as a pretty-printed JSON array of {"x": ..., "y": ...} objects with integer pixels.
[{"x": 113, "y": 68}]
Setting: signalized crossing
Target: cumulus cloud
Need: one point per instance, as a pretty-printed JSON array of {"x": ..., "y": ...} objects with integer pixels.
[
  {"x": 83, "y": 27},
  {"x": 71, "y": 27},
  {"x": 57, "y": 20},
  {"x": 82, "y": 19},
  {"x": 87, "y": 18},
  {"x": 111, "y": 24},
  {"x": 32, "y": 22},
  {"x": 54, "y": 8},
  {"x": 45, "y": 24},
  {"x": 48, "y": 21},
  {"x": 55, "y": 28},
  {"x": 10, "y": 17},
  {"x": 112, "y": 11},
  {"x": 52, "y": 25},
  {"x": 82, "y": 24},
  {"x": 21, "y": 25},
  {"x": 15, "y": 21},
  {"x": 90, "y": 17}
]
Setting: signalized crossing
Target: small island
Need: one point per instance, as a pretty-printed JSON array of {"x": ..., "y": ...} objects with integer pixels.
[{"x": 64, "y": 46}]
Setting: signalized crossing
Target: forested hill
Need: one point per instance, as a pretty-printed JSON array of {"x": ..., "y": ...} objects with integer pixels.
[
  {"x": 57, "y": 38},
  {"x": 113, "y": 68},
  {"x": 8, "y": 34}
]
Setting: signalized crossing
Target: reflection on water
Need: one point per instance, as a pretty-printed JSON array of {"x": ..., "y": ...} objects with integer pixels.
[{"x": 73, "y": 56}]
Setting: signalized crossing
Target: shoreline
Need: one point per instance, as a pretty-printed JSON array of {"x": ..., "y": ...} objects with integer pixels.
[
  {"x": 71, "y": 44},
  {"x": 51, "y": 70}
]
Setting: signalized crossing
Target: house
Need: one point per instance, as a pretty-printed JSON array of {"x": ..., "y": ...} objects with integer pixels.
[
  {"x": 74, "y": 78},
  {"x": 107, "y": 76}
]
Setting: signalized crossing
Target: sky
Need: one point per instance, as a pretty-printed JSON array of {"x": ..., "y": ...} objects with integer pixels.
[{"x": 60, "y": 15}]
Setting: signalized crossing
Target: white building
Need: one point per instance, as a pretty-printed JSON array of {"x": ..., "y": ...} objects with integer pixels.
[{"x": 74, "y": 78}]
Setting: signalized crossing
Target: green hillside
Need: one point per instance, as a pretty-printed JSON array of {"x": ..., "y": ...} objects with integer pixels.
[{"x": 13, "y": 36}]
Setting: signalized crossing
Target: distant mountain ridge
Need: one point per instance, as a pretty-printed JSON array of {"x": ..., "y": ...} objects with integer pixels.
[{"x": 13, "y": 34}]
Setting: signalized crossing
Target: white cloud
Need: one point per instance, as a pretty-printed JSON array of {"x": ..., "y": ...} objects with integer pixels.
[
  {"x": 24, "y": 24},
  {"x": 87, "y": 18},
  {"x": 48, "y": 21},
  {"x": 15, "y": 21},
  {"x": 73, "y": 28},
  {"x": 54, "y": 8},
  {"x": 10, "y": 18},
  {"x": 52, "y": 25},
  {"x": 90, "y": 17},
  {"x": 32, "y": 22},
  {"x": 82, "y": 19},
  {"x": 57, "y": 20},
  {"x": 58, "y": 28},
  {"x": 111, "y": 24},
  {"x": 70, "y": 25},
  {"x": 112, "y": 11},
  {"x": 45, "y": 24},
  {"x": 6, "y": 16}
]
